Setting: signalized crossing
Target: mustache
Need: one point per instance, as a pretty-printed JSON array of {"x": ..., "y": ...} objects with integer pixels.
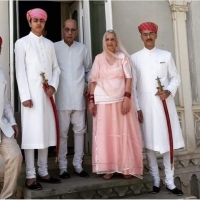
[{"x": 149, "y": 40}]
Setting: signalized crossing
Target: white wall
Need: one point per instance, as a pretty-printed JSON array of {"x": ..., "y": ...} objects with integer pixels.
[{"x": 127, "y": 15}]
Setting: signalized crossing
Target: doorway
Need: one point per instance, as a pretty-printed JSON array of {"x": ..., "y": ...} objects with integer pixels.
[{"x": 53, "y": 24}]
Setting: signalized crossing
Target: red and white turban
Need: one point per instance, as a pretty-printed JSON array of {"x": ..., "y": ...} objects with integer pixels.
[
  {"x": 148, "y": 26},
  {"x": 1, "y": 41},
  {"x": 37, "y": 13}
]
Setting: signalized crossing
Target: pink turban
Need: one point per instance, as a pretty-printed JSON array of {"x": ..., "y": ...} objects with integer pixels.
[
  {"x": 37, "y": 13},
  {"x": 1, "y": 41},
  {"x": 148, "y": 26}
]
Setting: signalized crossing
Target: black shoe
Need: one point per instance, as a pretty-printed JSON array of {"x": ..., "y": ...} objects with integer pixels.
[
  {"x": 82, "y": 174},
  {"x": 175, "y": 191},
  {"x": 49, "y": 180},
  {"x": 155, "y": 190},
  {"x": 34, "y": 186},
  {"x": 64, "y": 175}
]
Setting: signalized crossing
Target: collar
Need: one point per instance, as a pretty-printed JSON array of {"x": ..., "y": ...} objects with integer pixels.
[
  {"x": 35, "y": 37},
  {"x": 74, "y": 43},
  {"x": 149, "y": 51}
]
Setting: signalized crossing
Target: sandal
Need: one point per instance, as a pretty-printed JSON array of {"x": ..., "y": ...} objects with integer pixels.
[
  {"x": 127, "y": 176},
  {"x": 108, "y": 176}
]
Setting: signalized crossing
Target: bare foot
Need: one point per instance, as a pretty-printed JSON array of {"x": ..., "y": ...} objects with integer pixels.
[
  {"x": 108, "y": 176},
  {"x": 127, "y": 176}
]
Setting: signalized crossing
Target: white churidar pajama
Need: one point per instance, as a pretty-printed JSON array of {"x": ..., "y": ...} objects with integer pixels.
[
  {"x": 77, "y": 119},
  {"x": 152, "y": 160},
  {"x": 75, "y": 65},
  {"x": 30, "y": 165}
]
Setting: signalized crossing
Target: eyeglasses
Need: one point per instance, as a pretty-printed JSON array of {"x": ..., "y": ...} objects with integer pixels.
[
  {"x": 68, "y": 30},
  {"x": 151, "y": 34}
]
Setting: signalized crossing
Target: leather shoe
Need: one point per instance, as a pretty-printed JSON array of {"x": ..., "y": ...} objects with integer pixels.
[
  {"x": 49, "y": 180},
  {"x": 64, "y": 175},
  {"x": 175, "y": 191},
  {"x": 34, "y": 186},
  {"x": 155, "y": 190},
  {"x": 82, "y": 174}
]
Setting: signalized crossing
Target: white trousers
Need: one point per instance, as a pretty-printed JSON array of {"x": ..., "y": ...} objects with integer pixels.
[
  {"x": 30, "y": 164},
  {"x": 11, "y": 153},
  {"x": 77, "y": 118},
  {"x": 154, "y": 171}
]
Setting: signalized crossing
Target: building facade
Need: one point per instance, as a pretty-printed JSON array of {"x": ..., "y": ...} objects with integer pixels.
[{"x": 179, "y": 29}]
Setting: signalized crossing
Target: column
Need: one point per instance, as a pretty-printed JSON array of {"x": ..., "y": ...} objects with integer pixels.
[{"x": 179, "y": 9}]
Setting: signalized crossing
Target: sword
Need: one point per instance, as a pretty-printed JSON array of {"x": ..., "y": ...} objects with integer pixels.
[
  {"x": 45, "y": 86},
  {"x": 160, "y": 89}
]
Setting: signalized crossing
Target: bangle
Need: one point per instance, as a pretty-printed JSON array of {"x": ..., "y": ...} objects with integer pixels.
[
  {"x": 90, "y": 96},
  {"x": 127, "y": 94}
]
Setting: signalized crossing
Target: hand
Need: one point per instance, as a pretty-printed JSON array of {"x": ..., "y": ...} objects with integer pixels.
[
  {"x": 50, "y": 91},
  {"x": 163, "y": 95},
  {"x": 140, "y": 116},
  {"x": 16, "y": 130},
  {"x": 28, "y": 103},
  {"x": 86, "y": 91},
  {"x": 126, "y": 105},
  {"x": 92, "y": 109}
]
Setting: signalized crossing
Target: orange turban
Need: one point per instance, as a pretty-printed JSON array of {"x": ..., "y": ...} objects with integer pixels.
[
  {"x": 38, "y": 13},
  {"x": 148, "y": 26},
  {"x": 1, "y": 41}
]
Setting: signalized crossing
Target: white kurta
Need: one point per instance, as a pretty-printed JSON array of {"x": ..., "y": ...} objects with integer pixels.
[
  {"x": 34, "y": 55},
  {"x": 7, "y": 119},
  {"x": 75, "y": 64},
  {"x": 148, "y": 65}
]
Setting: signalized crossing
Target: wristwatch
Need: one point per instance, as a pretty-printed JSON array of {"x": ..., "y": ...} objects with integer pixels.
[{"x": 168, "y": 92}]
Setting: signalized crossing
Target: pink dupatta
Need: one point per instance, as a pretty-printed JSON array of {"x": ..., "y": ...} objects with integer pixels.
[{"x": 109, "y": 71}]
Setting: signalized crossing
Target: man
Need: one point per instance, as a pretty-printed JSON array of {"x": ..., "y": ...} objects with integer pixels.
[
  {"x": 74, "y": 61},
  {"x": 9, "y": 148},
  {"x": 36, "y": 54},
  {"x": 150, "y": 63}
]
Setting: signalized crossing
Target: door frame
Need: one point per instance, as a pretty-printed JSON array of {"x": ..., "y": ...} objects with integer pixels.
[{"x": 109, "y": 16}]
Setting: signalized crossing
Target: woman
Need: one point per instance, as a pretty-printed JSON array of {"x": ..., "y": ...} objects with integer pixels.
[{"x": 116, "y": 133}]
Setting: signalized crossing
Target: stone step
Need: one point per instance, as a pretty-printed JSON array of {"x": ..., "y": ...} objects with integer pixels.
[
  {"x": 161, "y": 195},
  {"x": 94, "y": 187}
]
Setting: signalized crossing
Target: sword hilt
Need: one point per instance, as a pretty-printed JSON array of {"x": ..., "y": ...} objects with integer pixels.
[
  {"x": 42, "y": 74},
  {"x": 160, "y": 86}
]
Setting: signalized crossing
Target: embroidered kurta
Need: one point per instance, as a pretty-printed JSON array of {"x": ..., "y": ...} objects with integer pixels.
[
  {"x": 75, "y": 64},
  {"x": 35, "y": 55},
  {"x": 148, "y": 65},
  {"x": 7, "y": 119}
]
